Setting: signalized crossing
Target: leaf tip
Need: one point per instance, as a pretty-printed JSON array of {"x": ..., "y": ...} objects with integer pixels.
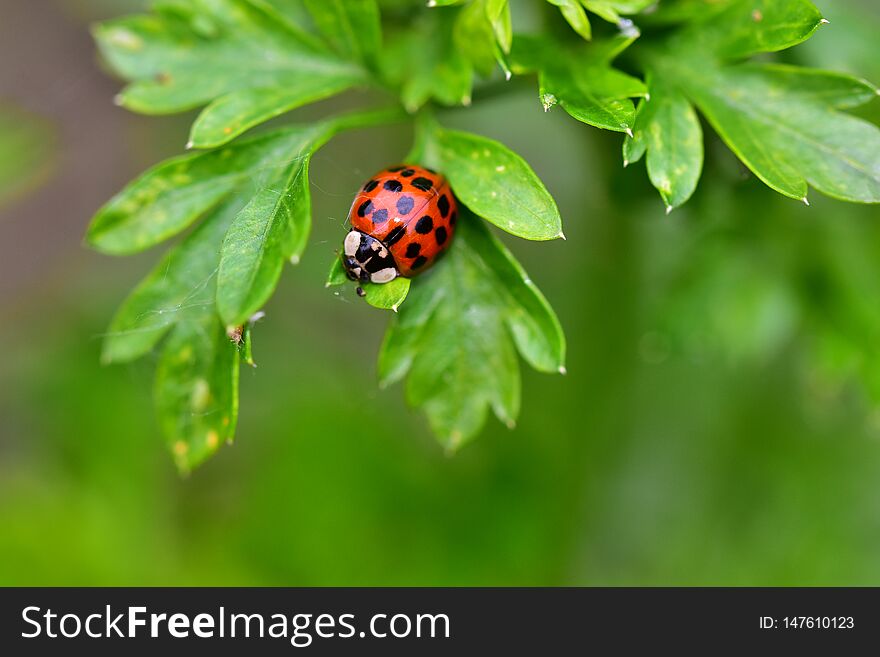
[
  {"x": 647, "y": 96},
  {"x": 669, "y": 209},
  {"x": 118, "y": 100},
  {"x": 294, "y": 259},
  {"x": 629, "y": 133},
  {"x": 190, "y": 144},
  {"x": 432, "y": 3},
  {"x": 510, "y": 424},
  {"x": 806, "y": 201},
  {"x": 625, "y": 163},
  {"x": 824, "y": 21},
  {"x": 456, "y": 438},
  {"x": 562, "y": 370},
  {"x": 561, "y": 236}
]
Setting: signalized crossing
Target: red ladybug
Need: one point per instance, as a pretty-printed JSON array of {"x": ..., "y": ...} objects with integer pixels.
[{"x": 401, "y": 220}]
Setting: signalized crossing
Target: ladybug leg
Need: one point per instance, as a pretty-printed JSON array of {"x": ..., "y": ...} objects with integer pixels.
[{"x": 360, "y": 291}]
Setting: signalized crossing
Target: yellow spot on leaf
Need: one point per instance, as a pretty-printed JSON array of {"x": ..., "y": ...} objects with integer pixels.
[
  {"x": 126, "y": 39},
  {"x": 212, "y": 439},
  {"x": 180, "y": 448},
  {"x": 201, "y": 395}
]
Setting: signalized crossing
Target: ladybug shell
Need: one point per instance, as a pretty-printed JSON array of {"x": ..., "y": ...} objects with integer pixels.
[{"x": 411, "y": 210}]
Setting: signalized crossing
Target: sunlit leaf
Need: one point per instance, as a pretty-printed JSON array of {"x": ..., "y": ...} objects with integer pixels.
[{"x": 495, "y": 183}]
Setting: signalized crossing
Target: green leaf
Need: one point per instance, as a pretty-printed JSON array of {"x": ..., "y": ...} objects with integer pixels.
[
  {"x": 668, "y": 128},
  {"x": 274, "y": 226},
  {"x": 783, "y": 122},
  {"x": 172, "y": 195},
  {"x": 201, "y": 50},
  {"x": 182, "y": 283},
  {"x": 749, "y": 27},
  {"x": 230, "y": 115},
  {"x": 196, "y": 389},
  {"x": 791, "y": 135},
  {"x": 611, "y": 10},
  {"x": 453, "y": 336},
  {"x": 336, "y": 275},
  {"x": 475, "y": 37},
  {"x": 271, "y": 229},
  {"x": 424, "y": 62},
  {"x": 351, "y": 27},
  {"x": 498, "y": 13},
  {"x": 535, "y": 328},
  {"x": 495, "y": 183},
  {"x": 575, "y": 15},
  {"x": 582, "y": 80},
  {"x": 387, "y": 296}
]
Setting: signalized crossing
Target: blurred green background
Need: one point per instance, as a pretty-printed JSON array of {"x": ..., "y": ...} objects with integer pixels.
[{"x": 720, "y": 422}]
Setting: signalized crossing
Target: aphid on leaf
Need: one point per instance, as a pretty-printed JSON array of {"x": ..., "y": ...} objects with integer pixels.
[{"x": 402, "y": 219}]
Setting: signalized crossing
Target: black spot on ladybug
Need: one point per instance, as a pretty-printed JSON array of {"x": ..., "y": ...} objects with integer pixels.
[
  {"x": 370, "y": 186},
  {"x": 443, "y": 205},
  {"x": 425, "y": 225},
  {"x": 412, "y": 250},
  {"x": 365, "y": 208},
  {"x": 404, "y": 204},
  {"x": 453, "y": 218},
  {"x": 418, "y": 262},
  {"x": 406, "y": 173},
  {"x": 394, "y": 235},
  {"x": 422, "y": 183},
  {"x": 393, "y": 185},
  {"x": 380, "y": 216},
  {"x": 396, "y": 169},
  {"x": 440, "y": 235}
]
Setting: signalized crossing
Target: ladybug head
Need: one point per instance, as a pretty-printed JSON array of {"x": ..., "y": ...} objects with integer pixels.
[{"x": 367, "y": 260}]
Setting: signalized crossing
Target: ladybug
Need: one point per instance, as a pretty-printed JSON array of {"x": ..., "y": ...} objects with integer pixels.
[{"x": 401, "y": 220}]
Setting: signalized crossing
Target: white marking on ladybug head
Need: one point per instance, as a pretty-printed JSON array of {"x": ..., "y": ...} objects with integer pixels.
[
  {"x": 375, "y": 245},
  {"x": 383, "y": 252},
  {"x": 352, "y": 242},
  {"x": 384, "y": 275}
]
